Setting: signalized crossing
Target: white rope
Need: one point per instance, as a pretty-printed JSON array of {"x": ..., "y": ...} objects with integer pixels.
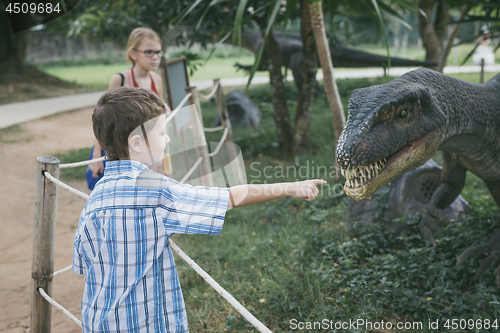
[
  {"x": 65, "y": 269},
  {"x": 211, "y": 94},
  {"x": 59, "y": 307},
  {"x": 198, "y": 161},
  {"x": 237, "y": 305},
  {"x": 178, "y": 107},
  {"x": 64, "y": 186},
  {"x": 77, "y": 164},
  {"x": 188, "y": 174},
  {"x": 213, "y": 129},
  {"x": 221, "y": 142}
]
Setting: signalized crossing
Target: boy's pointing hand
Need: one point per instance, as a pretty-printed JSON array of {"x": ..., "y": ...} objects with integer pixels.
[{"x": 307, "y": 189}]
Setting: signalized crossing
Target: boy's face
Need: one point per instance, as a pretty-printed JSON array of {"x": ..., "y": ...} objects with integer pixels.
[{"x": 158, "y": 138}]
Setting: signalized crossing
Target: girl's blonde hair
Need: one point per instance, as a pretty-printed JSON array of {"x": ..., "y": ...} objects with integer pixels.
[{"x": 136, "y": 37}]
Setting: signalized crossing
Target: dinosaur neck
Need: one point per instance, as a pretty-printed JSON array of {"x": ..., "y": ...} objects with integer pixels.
[{"x": 470, "y": 115}]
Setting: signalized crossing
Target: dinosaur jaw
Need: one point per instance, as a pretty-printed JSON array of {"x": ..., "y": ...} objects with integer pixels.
[{"x": 363, "y": 181}]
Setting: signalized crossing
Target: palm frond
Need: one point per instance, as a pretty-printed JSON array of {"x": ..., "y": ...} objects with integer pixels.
[{"x": 270, "y": 22}]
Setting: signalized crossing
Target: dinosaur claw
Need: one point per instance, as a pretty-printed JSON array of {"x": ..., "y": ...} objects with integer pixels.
[
  {"x": 427, "y": 233},
  {"x": 427, "y": 225},
  {"x": 472, "y": 251},
  {"x": 493, "y": 249},
  {"x": 485, "y": 264}
]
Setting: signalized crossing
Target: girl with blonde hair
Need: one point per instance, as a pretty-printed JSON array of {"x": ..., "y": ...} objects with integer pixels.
[{"x": 144, "y": 51}]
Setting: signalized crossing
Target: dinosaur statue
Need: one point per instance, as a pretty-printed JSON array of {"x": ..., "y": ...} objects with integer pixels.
[
  {"x": 395, "y": 127},
  {"x": 291, "y": 52}
]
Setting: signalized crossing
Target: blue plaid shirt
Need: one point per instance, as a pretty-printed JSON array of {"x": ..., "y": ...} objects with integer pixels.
[{"x": 121, "y": 245}]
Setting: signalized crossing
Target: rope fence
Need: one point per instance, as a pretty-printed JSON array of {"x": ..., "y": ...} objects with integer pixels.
[
  {"x": 78, "y": 164},
  {"x": 213, "y": 129},
  {"x": 44, "y": 232},
  {"x": 59, "y": 307},
  {"x": 65, "y": 186},
  {"x": 178, "y": 108},
  {"x": 221, "y": 142},
  {"x": 210, "y": 94}
]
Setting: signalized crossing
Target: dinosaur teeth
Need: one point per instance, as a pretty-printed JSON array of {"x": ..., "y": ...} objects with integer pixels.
[{"x": 356, "y": 177}]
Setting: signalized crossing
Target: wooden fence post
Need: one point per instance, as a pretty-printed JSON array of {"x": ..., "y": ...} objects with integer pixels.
[
  {"x": 205, "y": 169},
  {"x": 226, "y": 122},
  {"x": 481, "y": 78},
  {"x": 44, "y": 229}
]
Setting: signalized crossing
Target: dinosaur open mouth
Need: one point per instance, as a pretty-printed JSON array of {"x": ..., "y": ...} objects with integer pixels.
[{"x": 362, "y": 182}]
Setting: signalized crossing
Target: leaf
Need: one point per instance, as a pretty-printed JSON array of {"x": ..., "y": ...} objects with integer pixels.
[
  {"x": 213, "y": 3},
  {"x": 382, "y": 29},
  {"x": 238, "y": 21},
  {"x": 470, "y": 54},
  {"x": 291, "y": 6},
  {"x": 270, "y": 23},
  {"x": 395, "y": 15},
  {"x": 219, "y": 43}
]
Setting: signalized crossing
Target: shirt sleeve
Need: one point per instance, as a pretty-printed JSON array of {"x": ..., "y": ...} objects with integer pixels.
[{"x": 195, "y": 209}]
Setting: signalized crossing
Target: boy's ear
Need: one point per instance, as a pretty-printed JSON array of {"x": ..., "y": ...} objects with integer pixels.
[{"x": 134, "y": 143}]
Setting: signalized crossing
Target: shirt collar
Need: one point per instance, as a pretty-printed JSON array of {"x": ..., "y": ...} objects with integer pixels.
[{"x": 122, "y": 166}]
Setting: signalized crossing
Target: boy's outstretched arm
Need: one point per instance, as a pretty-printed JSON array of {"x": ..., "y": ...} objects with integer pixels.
[{"x": 244, "y": 195}]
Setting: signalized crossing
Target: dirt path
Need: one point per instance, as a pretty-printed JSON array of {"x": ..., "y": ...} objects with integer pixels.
[{"x": 18, "y": 153}]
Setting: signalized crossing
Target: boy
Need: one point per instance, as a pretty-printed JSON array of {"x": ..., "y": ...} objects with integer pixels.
[{"x": 121, "y": 245}]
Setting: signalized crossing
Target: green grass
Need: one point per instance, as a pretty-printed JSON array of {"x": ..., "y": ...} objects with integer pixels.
[
  {"x": 455, "y": 58},
  {"x": 93, "y": 76},
  {"x": 223, "y": 68},
  {"x": 98, "y": 76},
  {"x": 292, "y": 259},
  {"x": 473, "y": 77},
  {"x": 73, "y": 155}
]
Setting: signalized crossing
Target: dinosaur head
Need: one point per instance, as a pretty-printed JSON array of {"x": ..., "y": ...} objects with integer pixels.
[{"x": 391, "y": 129}]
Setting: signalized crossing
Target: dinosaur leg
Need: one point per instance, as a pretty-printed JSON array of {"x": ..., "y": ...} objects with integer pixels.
[
  {"x": 452, "y": 183},
  {"x": 492, "y": 247}
]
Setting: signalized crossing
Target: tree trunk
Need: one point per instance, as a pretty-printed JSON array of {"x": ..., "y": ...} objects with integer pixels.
[
  {"x": 451, "y": 38},
  {"x": 397, "y": 42},
  {"x": 430, "y": 38},
  {"x": 325, "y": 59},
  {"x": 278, "y": 95},
  {"x": 404, "y": 44},
  {"x": 308, "y": 86},
  {"x": 442, "y": 17},
  {"x": 13, "y": 47}
]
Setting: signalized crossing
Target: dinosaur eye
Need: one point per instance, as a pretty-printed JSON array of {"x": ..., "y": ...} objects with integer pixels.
[{"x": 403, "y": 113}]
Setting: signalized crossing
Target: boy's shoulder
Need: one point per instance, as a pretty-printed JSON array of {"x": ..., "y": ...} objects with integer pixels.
[{"x": 132, "y": 185}]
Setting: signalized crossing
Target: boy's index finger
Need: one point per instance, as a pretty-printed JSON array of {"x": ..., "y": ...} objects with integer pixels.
[{"x": 319, "y": 182}]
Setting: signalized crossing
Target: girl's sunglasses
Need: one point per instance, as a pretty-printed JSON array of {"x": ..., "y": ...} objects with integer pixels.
[{"x": 150, "y": 53}]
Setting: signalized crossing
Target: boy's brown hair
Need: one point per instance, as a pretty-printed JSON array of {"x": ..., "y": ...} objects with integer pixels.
[{"x": 119, "y": 112}]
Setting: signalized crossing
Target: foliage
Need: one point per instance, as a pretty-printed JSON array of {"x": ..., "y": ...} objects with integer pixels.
[
  {"x": 279, "y": 13},
  {"x": 487, "y": 12},
  {"x": 193, "y": 59}
]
